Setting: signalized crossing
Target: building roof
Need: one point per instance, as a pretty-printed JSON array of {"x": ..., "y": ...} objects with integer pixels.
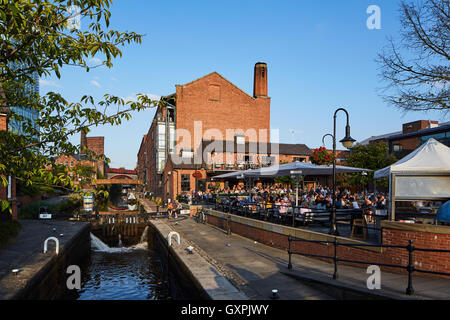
[
  {"x": 399, "y": 134},
  {"x": 373, "y": 138},
  {"x": 441, "y": 127},
  {"x": 218, "y": 74}
]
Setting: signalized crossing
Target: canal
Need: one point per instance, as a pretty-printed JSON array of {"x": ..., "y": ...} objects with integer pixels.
[
  {"x": 126, "y": 273},
  {"x": 114, "y": 271}
]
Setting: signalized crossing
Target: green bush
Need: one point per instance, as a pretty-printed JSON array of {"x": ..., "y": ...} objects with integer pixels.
[
  {"x": 68, "y": 206},
  {"x": 8, "y": 230}
]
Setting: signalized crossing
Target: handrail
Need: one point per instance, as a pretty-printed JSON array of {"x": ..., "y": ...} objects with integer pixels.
[
  {"x": 410, "y": 248},
  {"x": 56, "y": 242},
  {"x": 293, "y": 214},
  {"x": 177, "y": 238}
]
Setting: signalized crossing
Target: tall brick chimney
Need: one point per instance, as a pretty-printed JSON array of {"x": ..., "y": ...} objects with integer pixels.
[
  {"x": 260, "y": 80},
  {"x": 83, "y": 142}
]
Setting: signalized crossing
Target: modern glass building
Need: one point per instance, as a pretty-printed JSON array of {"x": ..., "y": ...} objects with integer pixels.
[{"x": 26, "y": 113}]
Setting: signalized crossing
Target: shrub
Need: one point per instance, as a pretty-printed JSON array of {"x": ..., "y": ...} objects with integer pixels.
[{"x": 8, "y": 230}]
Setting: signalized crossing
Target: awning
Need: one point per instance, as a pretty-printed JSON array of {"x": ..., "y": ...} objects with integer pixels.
[
  {"x": 285, "y": 170},
  {"x": 431, "y": 157}
]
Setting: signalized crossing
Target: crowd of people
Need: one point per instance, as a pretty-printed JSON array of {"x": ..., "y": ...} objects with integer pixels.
[{"x": 319, "y": 198}]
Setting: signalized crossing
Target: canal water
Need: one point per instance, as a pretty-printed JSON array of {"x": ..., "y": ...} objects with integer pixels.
[{"x": 122, "y": 273}]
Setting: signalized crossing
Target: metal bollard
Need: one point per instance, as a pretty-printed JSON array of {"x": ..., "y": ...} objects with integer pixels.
[
  {"x": 289, "y": 252},
  {"x": 410, "y": 268},
  {"x": 335, "y": 274}
]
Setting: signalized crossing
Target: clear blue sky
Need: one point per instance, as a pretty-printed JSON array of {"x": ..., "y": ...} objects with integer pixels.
[{"x": 320, "y": 56}]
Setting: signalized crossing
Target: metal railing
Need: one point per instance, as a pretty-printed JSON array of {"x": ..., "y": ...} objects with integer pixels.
[
  {"x": 410, "y": 268},
  {"x": 292, "y": 215}
]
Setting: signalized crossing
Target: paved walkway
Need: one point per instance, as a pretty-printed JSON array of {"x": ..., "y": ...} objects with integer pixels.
[
  {"x": 257, "y": 269},
  {"x": 26, "y": 252},
  {"x": 149, "y": 206},
  {"x": 244, "y": 263}
]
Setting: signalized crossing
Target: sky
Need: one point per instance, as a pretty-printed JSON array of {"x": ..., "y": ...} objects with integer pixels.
[{"x": 320, "y": 57}]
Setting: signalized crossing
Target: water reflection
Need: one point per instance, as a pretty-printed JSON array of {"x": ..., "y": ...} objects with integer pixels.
[{"x": 127, "y": 275}]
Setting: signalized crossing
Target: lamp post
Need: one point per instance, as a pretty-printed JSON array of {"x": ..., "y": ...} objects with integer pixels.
[
  {"x": 295, "y": 174},
  {"x": 364, "y": 174},
  {"x": 347, "y": 142}
]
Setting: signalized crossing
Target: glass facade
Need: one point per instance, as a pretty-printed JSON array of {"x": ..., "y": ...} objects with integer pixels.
[
  {"x": 27, "y": 113},
  {"x": 443, "y": 137}
]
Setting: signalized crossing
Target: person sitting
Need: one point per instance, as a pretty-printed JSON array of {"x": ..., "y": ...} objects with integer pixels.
[
  {"x": 355, "y": 204},
  {"x": 169, "y": 208}
]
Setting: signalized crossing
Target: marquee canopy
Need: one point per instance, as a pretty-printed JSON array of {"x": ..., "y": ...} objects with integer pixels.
[
  {"x": 431, "y": 157},
  {"x": 285, "y": 170}
]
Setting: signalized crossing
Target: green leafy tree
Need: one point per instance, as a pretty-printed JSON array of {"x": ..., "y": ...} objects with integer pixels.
[
  {"x": 84, "y": 173},
  {"x": 37, "y": 38},
  {"x": 373, "y": 156}
]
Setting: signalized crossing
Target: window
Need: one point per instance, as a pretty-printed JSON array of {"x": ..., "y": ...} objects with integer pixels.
[
  {"x": 397, "y": 147},
  {"x": 214, "y": 92},
  {"x": 299, "y": 159},
  {"x": 268, "y": 160},
  {"x": 66, "y": 163},
  {"x": 442, "y": 137},
  {"x": 71, "y": 163},
  {"x": 187, "y": 154},
  {"x": 185, "y": 182},
  {"x": 240, "y": 139}
]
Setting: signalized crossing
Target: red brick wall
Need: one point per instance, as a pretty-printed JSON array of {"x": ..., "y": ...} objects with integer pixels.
[
  {"x": 397, "y": 256},
  {"x": 233, "y": 110},
  {"x": 96, "y": 144},
  {"x": 416, "y": 126},
  {"x": 3, "y": 123}
]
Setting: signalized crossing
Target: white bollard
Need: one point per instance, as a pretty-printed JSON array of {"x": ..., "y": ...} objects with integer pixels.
[
  {"x": 56, "y": 241},
  {"x": 177, "y": 238}
]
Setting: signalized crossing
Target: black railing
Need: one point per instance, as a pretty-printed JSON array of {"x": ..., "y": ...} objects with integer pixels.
[
  {"x": 293, "y": 215},
  {"x": 409, "y": 268}
]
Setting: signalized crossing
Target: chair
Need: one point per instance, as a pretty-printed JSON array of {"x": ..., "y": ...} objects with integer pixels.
[{"x": 359, "y": 223}]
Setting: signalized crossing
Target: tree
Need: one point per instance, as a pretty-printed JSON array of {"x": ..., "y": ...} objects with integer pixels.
[
  {"x": 373, "y": 156},
  {"x": 84, "y": 173},
  {"x": 37, "y": 40},
  {"x": 418, "y": 78}
]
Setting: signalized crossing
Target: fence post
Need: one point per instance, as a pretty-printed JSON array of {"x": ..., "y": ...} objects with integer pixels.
[
  {"x": 289, "y": 252},
  {"x": 228, "y": 224},
  {"x": 410, "y": 268},
  {"x": 335, "y": 243}
]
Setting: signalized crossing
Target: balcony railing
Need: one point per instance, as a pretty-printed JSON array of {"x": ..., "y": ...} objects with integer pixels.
[{"x": 235, "y": 166}]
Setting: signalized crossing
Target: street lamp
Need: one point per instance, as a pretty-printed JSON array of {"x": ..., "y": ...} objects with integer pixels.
[
  {"x": 295, "y": 174},
  {"x": 347, "y": 142},
  {"x": 364, "y": 174}
]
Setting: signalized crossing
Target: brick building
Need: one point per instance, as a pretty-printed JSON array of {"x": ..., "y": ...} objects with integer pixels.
[
  {"x": 93, "y": 144},
  {"x": 207, "y": 119},
  {"x": 413, "y": 135},
  {"x": 210, "y": 107}
]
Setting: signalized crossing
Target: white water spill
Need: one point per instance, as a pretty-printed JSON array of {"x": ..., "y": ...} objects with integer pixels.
[
  {"x": 144, "y": 235},
  {"x": 99, "y": 245}
]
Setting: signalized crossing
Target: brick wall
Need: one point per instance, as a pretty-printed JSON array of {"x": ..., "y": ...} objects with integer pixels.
[
  {"x": 277, "y": 236},
  {"x": 96, "y": 144},
  {"x": 231, "y": 109}
]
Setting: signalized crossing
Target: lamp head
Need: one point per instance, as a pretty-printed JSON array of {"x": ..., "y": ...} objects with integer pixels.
[{"x": 348, "y": 141}]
